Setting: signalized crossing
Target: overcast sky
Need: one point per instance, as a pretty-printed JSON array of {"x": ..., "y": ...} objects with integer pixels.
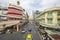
[{"x": 29, "y": 5}]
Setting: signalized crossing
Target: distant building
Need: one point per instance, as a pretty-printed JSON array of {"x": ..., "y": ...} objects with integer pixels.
[
  {"x": 49, "y": 17},
  {"x": 25, "y": 17},
  {"x": 37, "y": 12}
]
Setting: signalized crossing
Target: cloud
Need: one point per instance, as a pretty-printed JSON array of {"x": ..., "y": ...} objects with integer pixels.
[
  {"x": 46, "y": 2},
  {"x": 26, "y": 5},
  {"x": 49, "y": 3},
  {"x": 3, "y": 3},
  {"x": 38, "y": 4}
]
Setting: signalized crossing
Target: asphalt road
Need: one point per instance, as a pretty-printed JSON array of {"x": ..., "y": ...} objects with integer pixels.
[
  {"x": 34, "y": 31},
  {"x": 19, "y": 36}
]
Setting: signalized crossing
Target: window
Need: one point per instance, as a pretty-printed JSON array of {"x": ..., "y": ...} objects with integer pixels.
[
  {"x": 49, "y": 13},
  {"x": 43, "y": 15},
  {"x": 58, "y": 21},
  {"x": 20, "y": 19},
  {"x": 58, "y": 13},
  {"x": 43, "y": 20},
  {"x": 49, "y": 21}
]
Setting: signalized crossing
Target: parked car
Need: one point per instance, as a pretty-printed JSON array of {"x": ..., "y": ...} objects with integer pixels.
[{"x": 23, "y": 31}]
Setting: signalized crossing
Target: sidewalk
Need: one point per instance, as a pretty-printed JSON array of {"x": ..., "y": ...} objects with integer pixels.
[{"x": 54, "y": 34}]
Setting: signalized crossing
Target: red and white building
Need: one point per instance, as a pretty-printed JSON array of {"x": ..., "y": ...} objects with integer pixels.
[{"x": 15, "y": 12}]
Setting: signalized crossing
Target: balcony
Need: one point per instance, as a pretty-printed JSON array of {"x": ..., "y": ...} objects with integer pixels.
[
  {"x": 42, "y": 18},
  {"x": 50, "y": 17},
  {"x": 58, "y": 17}
]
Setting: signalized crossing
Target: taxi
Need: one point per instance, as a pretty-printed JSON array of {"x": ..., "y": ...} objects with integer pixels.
[{"x": 29, "y": 37}]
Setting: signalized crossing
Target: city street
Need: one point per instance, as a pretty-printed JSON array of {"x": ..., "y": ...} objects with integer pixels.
[
  {"x": 29, "y": 19},
  {"x": 20, "y": 36}
]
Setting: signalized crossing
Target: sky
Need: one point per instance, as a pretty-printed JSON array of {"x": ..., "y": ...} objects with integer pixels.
[{"x": 30, "y": 5}]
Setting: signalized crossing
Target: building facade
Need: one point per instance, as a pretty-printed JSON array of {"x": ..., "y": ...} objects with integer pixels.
[
  {"x": 3, "y": 11},
  {"x": 15, "y": 11},
  {"x": 49, "y": 17},
  {"x": 25, "y": 17}
]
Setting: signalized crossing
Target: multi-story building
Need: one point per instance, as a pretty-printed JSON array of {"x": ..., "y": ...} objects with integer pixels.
[
  {"x": 49, "y": 17},
  {"x": 15, "y": 11},
  {"x": 3, "y": 11},
  {"x": 25, "y": 17}
]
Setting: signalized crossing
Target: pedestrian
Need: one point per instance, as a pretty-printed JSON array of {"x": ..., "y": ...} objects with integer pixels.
[
  {"x": 42, "y": 35},
  {"x": 46, "y": 37},
  {"x": 11, "y": 31}
]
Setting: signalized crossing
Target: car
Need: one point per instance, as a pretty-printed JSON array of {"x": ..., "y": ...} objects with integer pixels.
[
  {"x": 23, "y": 31},
  {"x": 29, "y": 37}
]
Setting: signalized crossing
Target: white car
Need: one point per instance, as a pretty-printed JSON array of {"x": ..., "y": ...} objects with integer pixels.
[{"x": 23, "y": 31}]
